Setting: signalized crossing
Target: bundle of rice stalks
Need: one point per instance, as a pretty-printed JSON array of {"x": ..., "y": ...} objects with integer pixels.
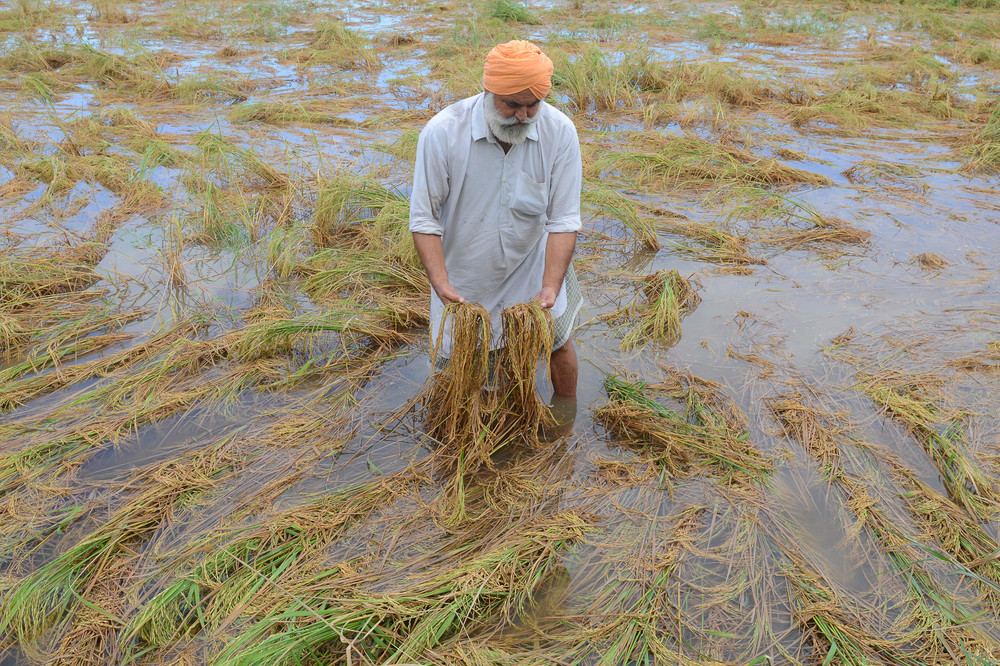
[
  {"x": 236, "y": 568},
  {"x": 658, "y": 305},
  {"x": 803, "y": 223},
  {"x": 913, "y": 400},
  {"x": 609, "y": 201},
  {"x": 526, "y": 338},
  {"x": 455, "y": 404},
  {"x": 411, "y": 622},
  {"x": 810, "y": 427},
  {"x": 984, "y": 152},
  {"x": 689, "y": 160},
  {"x": 45, "y": 596},
  {"x": 715, "y": 245},
  {"x": 677, "y": 441}
]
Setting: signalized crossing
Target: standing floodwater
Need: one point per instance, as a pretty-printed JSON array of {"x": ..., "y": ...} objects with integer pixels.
[{"x": 213, "y": 324}]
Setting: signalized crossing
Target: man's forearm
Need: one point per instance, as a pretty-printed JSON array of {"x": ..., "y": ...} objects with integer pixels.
[
  {"x": 558, "y": 253},
  {"x": 431, "y": 254}
]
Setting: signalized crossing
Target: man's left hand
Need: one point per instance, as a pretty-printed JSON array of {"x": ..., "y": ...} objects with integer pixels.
[{"x": 546, "y": 297}]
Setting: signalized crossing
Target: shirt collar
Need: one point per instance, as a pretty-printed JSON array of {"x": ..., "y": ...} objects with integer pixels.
[{"x": 480, "y": 130}]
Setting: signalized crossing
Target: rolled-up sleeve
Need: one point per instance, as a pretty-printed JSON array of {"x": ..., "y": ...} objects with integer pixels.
[
  {"x": 430, "y": 182},
  {"x": 564, "y": 187}
]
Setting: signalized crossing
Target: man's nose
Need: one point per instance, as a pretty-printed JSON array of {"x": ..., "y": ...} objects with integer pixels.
[{"x": 521, "y": 114}]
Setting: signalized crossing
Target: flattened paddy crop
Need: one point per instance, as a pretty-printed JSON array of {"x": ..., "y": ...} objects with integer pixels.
[{"x": 223, "y": 439}]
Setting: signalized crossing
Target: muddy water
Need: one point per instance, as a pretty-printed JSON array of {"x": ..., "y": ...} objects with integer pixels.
[{"x": 782, "y": 314}]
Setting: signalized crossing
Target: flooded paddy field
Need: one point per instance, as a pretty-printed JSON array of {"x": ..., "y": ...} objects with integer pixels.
[{"x": 214, "y": 334}]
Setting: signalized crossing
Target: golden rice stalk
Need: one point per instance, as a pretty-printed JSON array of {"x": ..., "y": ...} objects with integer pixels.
[
  {"x": 809, "y": 427},
  {"x": 959, "y": 534},
  {"x": 527, "y": 337},
  {"x": 454, "y": 402}
]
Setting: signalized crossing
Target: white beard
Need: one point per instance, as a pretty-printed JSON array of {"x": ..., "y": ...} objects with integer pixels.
[{"x": 507, "y": 130}]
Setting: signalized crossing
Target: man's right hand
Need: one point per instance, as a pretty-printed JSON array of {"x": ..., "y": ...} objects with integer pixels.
[{"x": 447, "y": 293}]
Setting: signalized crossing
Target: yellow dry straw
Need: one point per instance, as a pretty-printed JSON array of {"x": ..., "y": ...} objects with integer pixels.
[
  {"x": 454, "y": 401},
  {"x": 460, "y": 411},
  {"x": 527, "y": 337}
]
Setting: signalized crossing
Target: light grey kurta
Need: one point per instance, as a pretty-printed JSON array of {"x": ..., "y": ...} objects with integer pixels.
[{"x": 493, "y": 210}]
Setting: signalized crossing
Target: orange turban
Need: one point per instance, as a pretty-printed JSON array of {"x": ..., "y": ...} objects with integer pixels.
[{"x": 516, "y": 66}]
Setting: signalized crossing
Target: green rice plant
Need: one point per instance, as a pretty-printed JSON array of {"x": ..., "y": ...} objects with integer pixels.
[
  {"x": 983, "y": 153},
  {"x": 231, "y": 568},
  {"x": 28, "y": 14},
  {"x": 682, "y": 80},
  {"x": 264, "y": 338},
  {"x": 111, "y": 11},
  {"x": 35, "y": 272},
  {"x": 712, "y": 244},
  {"x": 54, "y": 170},
  {"x": 608, "y": 201},
  {"x": 286, "y": 248},
  {"x": 71, "y": 341},
  {"x": 608, "y": 83},
  {"x": 690, "y": 161},
  {"x": 357, "y": 210},
  {"x": 857, "y": 104},
  {"x": 416, "y": 617},
  {"x": 960, "y": 536},
  {"x": 911, "y": 400},
  {"x": 804, "y": 224},
  {"x": 511, "y": 11},
  {"x": 45, "y": 596},
  {"x": 931, "y": 605},
  {"x": 282, "y": 113},
  {"x": 17, "y": 393},
  {"x": 233, "y": 165},
  {"x": 34, "y": 57},
  {"x": 661, "y": 299},
  {"x": 825, "y": 612},
  {"x": 673, "y": 440},
  {"x": 42, "y": 86},
  {"x": 137, "y": 72},
  {"x": 214, "y": 87},
  {"x": 333, "y": 43},
  {"x": 630, "y": 614}
]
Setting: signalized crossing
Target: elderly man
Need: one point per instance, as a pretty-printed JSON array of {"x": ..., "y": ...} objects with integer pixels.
[{"x": 495, "y": 206}]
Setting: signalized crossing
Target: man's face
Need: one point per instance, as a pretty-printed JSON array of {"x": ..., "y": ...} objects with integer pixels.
[{"x": 522, "y": 105}]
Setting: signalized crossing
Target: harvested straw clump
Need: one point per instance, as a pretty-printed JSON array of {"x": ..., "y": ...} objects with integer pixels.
[
  {"x": 481, "y": 408},
  {"x": 660, "y": 301}
]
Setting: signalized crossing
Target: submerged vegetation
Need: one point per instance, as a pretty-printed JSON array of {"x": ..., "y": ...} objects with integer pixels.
[{"x": 222, "y": 439}]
